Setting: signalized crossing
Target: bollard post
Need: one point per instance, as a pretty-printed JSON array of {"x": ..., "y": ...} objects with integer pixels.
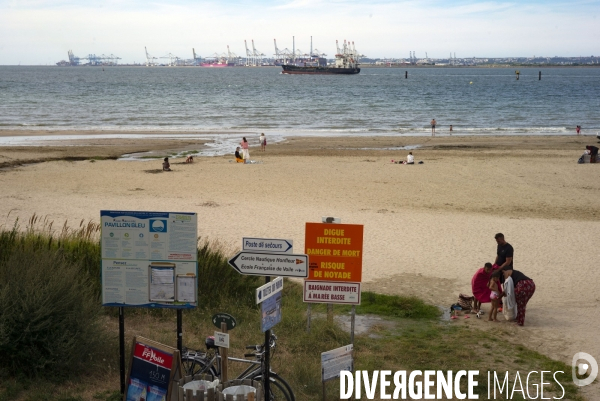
[{"x": 405, "y": 74}]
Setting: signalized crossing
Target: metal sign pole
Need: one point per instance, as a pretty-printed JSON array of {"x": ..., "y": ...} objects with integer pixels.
[
  {"x": 122, "y": 347},
  {"x": 352, "y": 318},
  {"x": 267, "y": 383},
  {"x": 308, "y": 318},
  {"x": 179, "y": 331}
]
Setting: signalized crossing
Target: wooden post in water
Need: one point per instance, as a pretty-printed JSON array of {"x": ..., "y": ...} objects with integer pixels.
[
  {"x": 540, "y": 76},
  {"x": 405, "y": 74}
]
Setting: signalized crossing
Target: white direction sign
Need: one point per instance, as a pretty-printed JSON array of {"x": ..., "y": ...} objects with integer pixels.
[
  {"x": 332, "y": 292},
  {"x": 267, "y": 264},
  {"x": 334, "y": 361},
  {"x": 221, "y": 339},
  {"x": 269, "y": 289},
  {"x": 268, "y": 245}
]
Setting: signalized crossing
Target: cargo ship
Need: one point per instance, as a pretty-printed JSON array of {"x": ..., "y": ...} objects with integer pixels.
[{"x": 346, "y": 63}]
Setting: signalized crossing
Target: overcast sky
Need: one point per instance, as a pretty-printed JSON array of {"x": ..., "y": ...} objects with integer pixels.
[{"x": 42, "y": 31}]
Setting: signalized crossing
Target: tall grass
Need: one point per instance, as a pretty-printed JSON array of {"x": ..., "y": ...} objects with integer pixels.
[
  {"x": 50, "y": 323},
  {"x": 50, "y": 295}
]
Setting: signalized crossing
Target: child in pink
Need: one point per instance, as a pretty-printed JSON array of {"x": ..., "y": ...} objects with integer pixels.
[{"x": 495, "y": 296}]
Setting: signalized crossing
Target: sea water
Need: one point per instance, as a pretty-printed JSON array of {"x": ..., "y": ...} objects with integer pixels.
[{"x": 379, "y": 101}]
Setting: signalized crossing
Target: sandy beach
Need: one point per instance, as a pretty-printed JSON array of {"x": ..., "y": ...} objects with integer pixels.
[{"x": 428, "y": 226}]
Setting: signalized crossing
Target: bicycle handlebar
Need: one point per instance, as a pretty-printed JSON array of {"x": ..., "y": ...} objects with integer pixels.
[
  {"x": 251, "y": 346},
  {"x": 248, "y": 355}
]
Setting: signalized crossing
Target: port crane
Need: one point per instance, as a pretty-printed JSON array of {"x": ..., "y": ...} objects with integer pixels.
[
  {"x": 149, "y": 59},
  {"x": 197, "y": 59},
  {"x": 258, "y": 56},
  {"x": 249, "y": 56}
]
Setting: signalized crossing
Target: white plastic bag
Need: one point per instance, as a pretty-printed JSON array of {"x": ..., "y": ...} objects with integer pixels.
[{"x": 509, "y": 308}]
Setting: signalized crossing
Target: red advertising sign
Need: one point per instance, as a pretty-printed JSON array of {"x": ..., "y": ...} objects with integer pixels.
[
  {"x": 335, "y": 251},
  {"x": 153, "y": 355}
]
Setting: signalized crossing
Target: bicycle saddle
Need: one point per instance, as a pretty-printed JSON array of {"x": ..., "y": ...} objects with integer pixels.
[{"x": 210, "y": 342}]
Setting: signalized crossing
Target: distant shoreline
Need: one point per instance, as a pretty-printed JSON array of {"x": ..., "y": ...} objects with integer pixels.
[{"x": 360, "y": 65}]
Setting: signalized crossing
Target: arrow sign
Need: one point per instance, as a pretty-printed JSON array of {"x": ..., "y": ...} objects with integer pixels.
[
  {"x": 270, "y": 264},
  {"x": 267, "y": 245},
  {"x": 269, "y": 289}
]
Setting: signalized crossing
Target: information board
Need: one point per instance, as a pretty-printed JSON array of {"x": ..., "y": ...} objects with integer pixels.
[
  {"x": 152, "y": 370},
  {"x": 143, "y": 256},
  {"x": 335, "y": 251},
  {"x": 334, "y": 361},
  {"x": 270, "y": 312}
]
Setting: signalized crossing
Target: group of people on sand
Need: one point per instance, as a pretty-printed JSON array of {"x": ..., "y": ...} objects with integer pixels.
[
  {"x": 166, "y": 166},
  {"x": 495, "y": 282},
  {"x": 244, "y": 156}
]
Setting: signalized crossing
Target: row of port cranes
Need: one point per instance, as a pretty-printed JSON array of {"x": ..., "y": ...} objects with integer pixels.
[
  {"x": 90, "y": 59},
  {"x": 254, "y": 57}
]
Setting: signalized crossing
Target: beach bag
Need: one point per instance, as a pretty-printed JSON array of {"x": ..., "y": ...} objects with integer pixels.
[
  {"x": 465, "y": 302},
  {"x": 509, "y": 307}
]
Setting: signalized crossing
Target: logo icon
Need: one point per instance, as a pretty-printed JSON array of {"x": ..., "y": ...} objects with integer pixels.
[
  {"x": 158, "y": 226},
  {"x": 584, "y": 363}
]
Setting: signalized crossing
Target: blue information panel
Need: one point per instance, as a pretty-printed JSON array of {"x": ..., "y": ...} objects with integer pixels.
[
  {"x": 271, "y": 312},
  {"x": 149, "y": 259}
]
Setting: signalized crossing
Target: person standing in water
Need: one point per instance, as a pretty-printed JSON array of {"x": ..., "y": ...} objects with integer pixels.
[{"x": 433, "y": 127}]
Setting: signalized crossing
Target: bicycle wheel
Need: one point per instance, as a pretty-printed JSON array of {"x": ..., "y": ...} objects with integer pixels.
[
  {"x": 280, "y": 389},
  {"x": 194, "y": 365}
]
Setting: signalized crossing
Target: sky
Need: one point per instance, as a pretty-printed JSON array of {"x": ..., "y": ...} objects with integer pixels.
[{"x": 40, "y": 32}]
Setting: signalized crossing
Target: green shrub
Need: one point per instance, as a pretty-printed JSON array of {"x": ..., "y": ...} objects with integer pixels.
[{"x": 50, "y": 320}]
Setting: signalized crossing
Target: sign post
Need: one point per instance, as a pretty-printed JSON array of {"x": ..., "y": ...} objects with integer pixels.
[
  {"x": 334, "y": 361},
  {"x": 335, "y": 252},
  {"x": 266, "y": 257},
  {"x": 224, "y": 322},
  {"x": 224, "y": 375},
  {"x": 145, "y": 256}
]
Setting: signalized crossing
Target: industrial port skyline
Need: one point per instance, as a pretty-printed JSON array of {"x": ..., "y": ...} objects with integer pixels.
[{"x": 254, "y": 57}]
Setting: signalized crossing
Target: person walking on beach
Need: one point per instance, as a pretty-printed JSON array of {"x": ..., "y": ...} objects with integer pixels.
[
  {"x": 245, "y": 151},
  {"x": 504, "y": 253},
  {"x": 433, "y": 127},
  {"x": 578, "y": 129},
  {"x": 524, "y": 289},
  {"x": 263, "y": 142}
]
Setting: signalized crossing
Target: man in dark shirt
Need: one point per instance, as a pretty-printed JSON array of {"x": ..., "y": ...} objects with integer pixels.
[{"x": 504, "y": 258}]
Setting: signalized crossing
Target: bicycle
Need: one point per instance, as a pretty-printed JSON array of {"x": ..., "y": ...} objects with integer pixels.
[{"x": 198, "y": 362}]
